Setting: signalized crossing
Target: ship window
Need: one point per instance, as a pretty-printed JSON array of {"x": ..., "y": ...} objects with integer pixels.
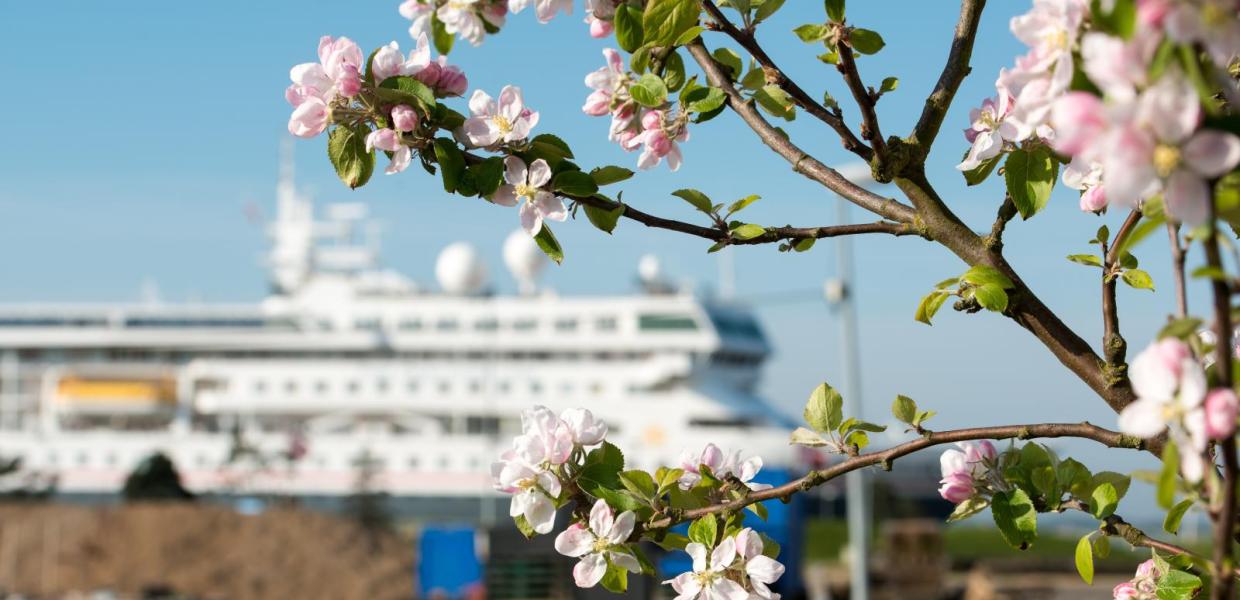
[
  {"x": 605, "y": 324},
  {"x": 475, "y": 425},
  {"x": 731, "y": 423},
  {"x": 354, "y": 387},
  {"x": 525, "y": 325},
  {"x": 504, "y": 387},
  {"x": 665, "y": 322},
  {"x": 596, "y": 388},
  {"x": 320, "y": 387},
  {"x": 566, "y": 325},
  {"x": 475, "y": 386},
  {"x": 381, "y": 385},
  {"x": 412, "y": 386},
  {"x": 566, "y": 387},
  {"x": 445, "y": 387},
  {"x": 410, "y": 325},
  {"x": 368, "y": 324},
  {"x": 82, "y": 458},
  {"x": 290, "y": 387},
  {"x": 260, "y": 386},
  {"x": 413, "y": 462},
  {"x": 486, "y": 325},
  {"x": 443, "y": 463},
  {"x": 536, "y": 387},
  {"x": 447, "y": 325}
]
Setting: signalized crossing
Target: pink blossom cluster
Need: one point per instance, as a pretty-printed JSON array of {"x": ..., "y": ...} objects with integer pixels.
[
  {"x": 1143, "y": 586},
  {"x": 1172, "y": 396},
  {"x": 966, "y": 469},
  {"x": 532, "y": 469},
  {"x": 472, "y": 20},
  {"x": 316, "y": 85},
  {"x": 596, "y": 543},
  {"x": 721, "y": 465},
  {"x": 657, "y": 132},
  {"x": 444, "y": 79},
  {"x": 735, "y": 569}
]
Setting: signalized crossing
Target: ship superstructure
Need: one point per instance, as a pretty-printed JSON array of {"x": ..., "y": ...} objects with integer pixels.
[{"x": 346, "y": 363}]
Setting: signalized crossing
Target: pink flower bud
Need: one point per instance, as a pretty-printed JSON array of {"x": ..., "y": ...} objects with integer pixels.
[
  {"x": 987, "y": 450},
  {"x": 387, "y": 62},
  {"x": 598, "y": 103},
  {"x": 350, "y": 81},
  {"x": 404, "y": 118},
  {"x": 600, "y": 28},
  {"x": 383, "y": 139},
  {"x": 1093, "y": 199},
  {"x": 309, "y": 118},
  {"x": 956, "y": 488},
  {"x": 1125, "y": 591},
  {"x": 1151, "y": 13},
  {"x": 658, "y": 142},
  {"x": 452, "y": 82},
  {"x": 652, "y": 119},
  {"x": 628, "y": 139},
  {"x": 1221, "y": 407},
  {"x": 1149, "y": 568}
]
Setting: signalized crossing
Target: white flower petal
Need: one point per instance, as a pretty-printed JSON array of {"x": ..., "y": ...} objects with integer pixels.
[
  {"x": 723, "y": 555},
  {"x": 601, "y": 519},
  {"x": 1187, "y": 197},
  {"x": 589, "y": 570},
  {"x": 515, "y": 172},
  {"x": 574, "y": 541},
  {"x": 1143, "y": 418},
  {"x": 764, "y": 569},
  {"x": 1212, "y": 153},
  {"x": 540, "y": 173},
  {"x": 697, "y": 552}
]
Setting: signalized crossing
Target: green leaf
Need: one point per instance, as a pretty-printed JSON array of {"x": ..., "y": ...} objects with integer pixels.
[
  {"x": 628, "y": 24},
  {"x": 1167, "y": 477},
  {"x": 1085, "y": 559},
  {"x": 1119, "y": 481},
  {"x": 704, "y": 531},
  {"x": 574, "y": 183},
  {"x": 835, "y": 10},
  {"x": 616, "y": 579},
  {"x": 550, "y": 148},
  {"x": 1088, "y": 260},
  {"x": 1103, "y": 501},
  {"x": 824, "y": 410},
  {"x": 689, "y": 35},
  {"x": 767, "y": 9},
  {"x": 1102, "y": 546},
  {"x": 550, "y": 246},
  {"x": 639, "y": 482},
  {"x": 982, "y": 275},
  {"x": 451, "y": 163},
  {"x": 858, "y": 439},
  {"x": 1177, "y": 585},
  {"x": 929, "y": 305},
  {"x": 709, "y": 99},
  {"x": 923, "y": 416},
  {"x": 811, "y": 33},
  {"x": 979, "y": 173},
  {"x": 1030, "y": 176},
  {"x": 1138, "y": 279},
  {"x": 664, "y": 21},
  {"x": 649, "y": 91},
  {"x": 889, "y": 85},
  {"x": 673, "y": 542},
  {"x": 346, "y": 148},
  {"x": 523, "y": 525},
  {"x": 991, "y": 297},
  {"x": 603, "y": 218},
  {"x": 487, "y": 175},
  {"x": 904, "y": 409},
  {"x": 866, "y": 41},
  {"x": 740, "y": 205},
  {"x": 968, "y": 508},
  {"x": 610, "y": 174},
  {"x": 748, "y": 231},
  {"x": 1171, "y": 523},
  {"x": 1182, "y": 329},
  {"x": 403, "y": 89},
  {"x": 754, "y": 79},
  {"x": 730, "y": 59},
  {"x": 668, "y": 478},
  {"x": 1016, "y": 517},
  {"x": 805, "y": 437},
  {"x": 699, "y": 200},
  {"x": 443, "y": 40},
  {"x": 774, "y": 100},
  {"x": 674, "y": 72},
  {"x": 804, "y": 244}
]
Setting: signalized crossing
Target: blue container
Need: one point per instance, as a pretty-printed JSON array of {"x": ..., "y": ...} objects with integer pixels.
[
  {"x": 448, "y": 562},
  {"x": 784, "y": 524}
]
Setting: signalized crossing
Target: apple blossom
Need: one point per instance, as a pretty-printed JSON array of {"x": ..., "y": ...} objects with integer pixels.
[
  {"x": 404, "y": 118},
  {"x": 309, "y": 118},
  {"x": 387, "y": 62},
  {"x": 599, "y": 28},
  {"x": 708, "y": 580},
  {"x": 463, "y": 18},
  {"x": 421, "y": 13},
  {"x": 442, "y": 78},
  {"x": 760, "y": 570},
  {"x": 599, "y": 544},
  {"x": 609, "y": 82},
  {"x": 1086, "y": 177},
  {"x": 1125, "y": 591},
  {"x": 545, "y": 10},
  {"x": 534, "y": 490},
  {"x": 524, "y": 186},
  {"x": 659, "y": 144},
  {"x": 710, "y": 456},
  {"x": 545, "y": 438},
  {"x": 1170, "y": 387},
  {"x": 1118, "y": 67},
  {"x": 987, "y": 131},
  {"x": 1220, "y": 413},
  {"x": 744, "y": 470},
  {"x": 1213, "y": 23},
  {"x": 1050, "y": 30},
  {"x": 491, "y": 123},
  {"x": 585, "y": 428},
  {"x": 961, "y": 467},
  {"x": 389, "y": 140}
]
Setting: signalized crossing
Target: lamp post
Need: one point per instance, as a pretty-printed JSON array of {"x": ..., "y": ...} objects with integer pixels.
[{"x": 839, "y": 294}]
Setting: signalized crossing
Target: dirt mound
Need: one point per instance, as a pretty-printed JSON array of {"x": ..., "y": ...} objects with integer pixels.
[{"x": 204, "y": 551}]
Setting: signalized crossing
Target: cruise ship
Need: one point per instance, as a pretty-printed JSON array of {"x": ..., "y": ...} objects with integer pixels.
[{"x": 347, "y": 365}]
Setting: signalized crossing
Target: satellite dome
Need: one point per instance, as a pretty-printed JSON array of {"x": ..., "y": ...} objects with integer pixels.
[
  {"x": 525, "y": 260},
  {"x": 460, "y": 270}
]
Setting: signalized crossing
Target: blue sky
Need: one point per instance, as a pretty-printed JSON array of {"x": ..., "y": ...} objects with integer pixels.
[{"x": 138, "y": 132}]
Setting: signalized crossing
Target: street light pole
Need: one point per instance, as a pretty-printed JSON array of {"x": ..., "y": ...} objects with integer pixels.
[{"x": 840, "y": 294}]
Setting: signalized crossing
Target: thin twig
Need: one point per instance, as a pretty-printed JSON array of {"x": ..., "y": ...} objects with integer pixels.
[
  {"x": 801, "y": 161},
  {"x": 777, "y": 76},
  {"x": 1177, "y": 270},
  {"x": 1114, "y": 348},
  {"x": 847, "y": 67},
  {"x": 954, "y": 72},
  {"x": 1226, "y": 517},
  {"x": 1106, "y": 437}
]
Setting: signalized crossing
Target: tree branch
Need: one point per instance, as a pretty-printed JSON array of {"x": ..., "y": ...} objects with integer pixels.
[
  {"x": 1114, "y": 348},
  {"x": 1225, "y": 522},
  {"x": 801, "y": 162},
  {"x": 1116, "y": 526},
  {"x": 954, "y": 72},
  {"x": 777, "y": 76},
  {"x": 1177, "y": 270},
  {"x": 865, "y": 101},
  {"x": 1106, "y": 437}
]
